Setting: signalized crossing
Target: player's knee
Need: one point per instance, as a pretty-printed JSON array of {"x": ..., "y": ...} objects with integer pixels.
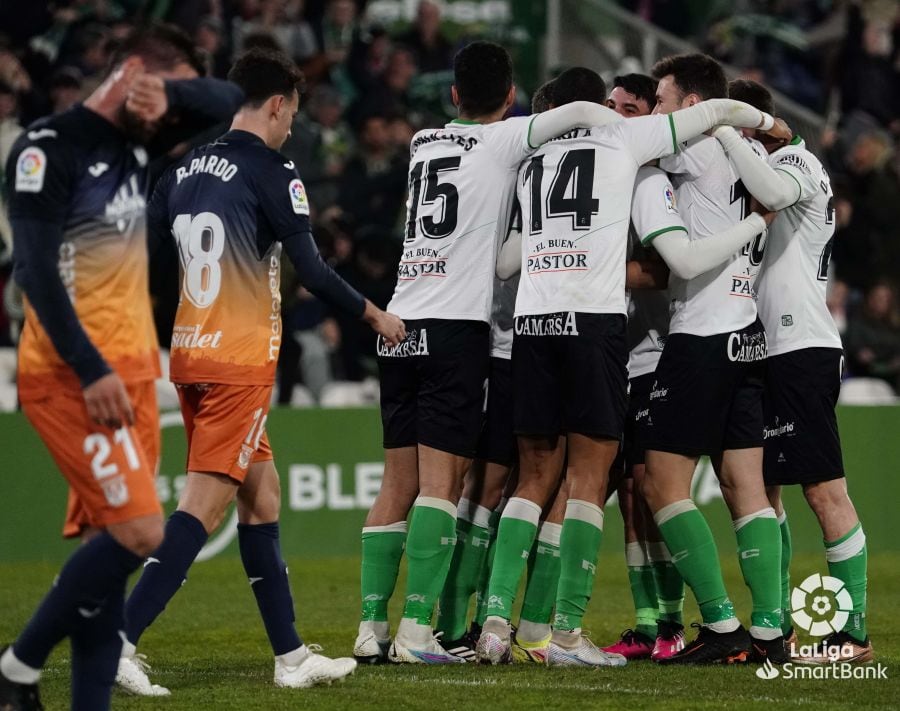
[
  {"x": 141, "y": 537},
  {"x": 647, "y": 488},
  {"x": 827, "y": 497}
]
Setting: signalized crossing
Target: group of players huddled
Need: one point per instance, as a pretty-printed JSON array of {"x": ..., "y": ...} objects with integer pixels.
[
  {"x": 647, "y": 306},
  {"x": 596, "y": 294}
]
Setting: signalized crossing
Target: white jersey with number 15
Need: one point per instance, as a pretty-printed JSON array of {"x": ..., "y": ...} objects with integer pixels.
[{"x": 461, "y": 187}]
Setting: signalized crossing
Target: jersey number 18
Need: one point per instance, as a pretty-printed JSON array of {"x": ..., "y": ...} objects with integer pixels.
[{"x": 201, "y": 241}]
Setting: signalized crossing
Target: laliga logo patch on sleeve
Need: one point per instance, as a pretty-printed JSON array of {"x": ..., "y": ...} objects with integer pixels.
[
  {"x": 298, "y": 197},
  {"x": 30, "y": 170},
  {"x": 669, "y": 195}
]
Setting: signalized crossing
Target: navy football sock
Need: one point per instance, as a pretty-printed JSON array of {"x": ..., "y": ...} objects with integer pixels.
[
  {"x": 93, "y": 573},
  {"x": 261, "y": 555},
  {"x": 96, "y": 646},
  {"x": 164, "y": 573}
]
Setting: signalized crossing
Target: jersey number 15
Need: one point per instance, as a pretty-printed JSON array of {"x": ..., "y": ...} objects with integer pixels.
[{"x": 434, "y": 191}]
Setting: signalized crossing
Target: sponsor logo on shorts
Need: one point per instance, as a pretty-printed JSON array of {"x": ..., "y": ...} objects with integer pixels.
[
  {"x": 193, "y": 337},
  {"x": 747, "y": 347},
  {"x": 787, "y": 320},
  {"x": 244, "y": 456},
  {"x": 657, "y": 393},
  {"x": 778, "y": 429},
  {"x": 559, "y": 324},
  {"x": 415, "y": 344},
  {"x": 641, "y": 414},
  {"x": 115, "y": 490}
]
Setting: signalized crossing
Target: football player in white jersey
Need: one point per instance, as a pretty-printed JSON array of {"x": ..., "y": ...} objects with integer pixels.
[
  {"x": 707, "y": 395},
  {"x": 461, "y": 183},
  {"x": 569, "y": 349},
  {"x": 803, "y": 374},
  {"x": 482, "y": 500},
  {"x": 657, "y": 588}
]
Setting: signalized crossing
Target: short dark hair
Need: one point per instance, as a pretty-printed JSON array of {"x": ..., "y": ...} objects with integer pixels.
[
  {"x": 264, "y": 73},
  {"x": 161, "y": 46},
  {"x": 482, "y": 74},
  {"x": 694, "y": 74},
  {"x": 578, "y": 84},
  {"x": 639, "y": 85},
  {"x": 542, "y": 98},
  {"x": 753, "y": 93}
]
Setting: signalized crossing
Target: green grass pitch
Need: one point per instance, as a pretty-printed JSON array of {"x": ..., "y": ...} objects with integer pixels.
[{"x": 210, "y": 649}]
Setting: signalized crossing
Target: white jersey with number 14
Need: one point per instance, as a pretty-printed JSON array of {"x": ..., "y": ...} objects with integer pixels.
[{"x": 575, "y": 195}]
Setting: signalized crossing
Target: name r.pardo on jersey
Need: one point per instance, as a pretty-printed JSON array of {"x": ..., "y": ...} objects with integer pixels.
[{"x": 747, "y": 347}]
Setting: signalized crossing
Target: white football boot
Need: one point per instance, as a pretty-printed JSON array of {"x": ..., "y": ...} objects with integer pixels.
[
  {"x": 304, "y": 667},
  {"x": 495, "y": 644},
  {"x": 573, "y": 649},
  {"x": 372, "y": 643},
  {"x": 417, "y": 644},
  {"x": 132, "y": 676}
]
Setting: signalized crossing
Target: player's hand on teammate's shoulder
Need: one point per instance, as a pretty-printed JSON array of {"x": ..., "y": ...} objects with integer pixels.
[
  {"x": 780, "y": 130},
  {"x": 107, "y": 402},
  {"x": 385, "y": 324}
]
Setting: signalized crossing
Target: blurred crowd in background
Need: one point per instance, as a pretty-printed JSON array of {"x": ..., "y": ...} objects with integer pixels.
[{"x": 371, "y": 84}]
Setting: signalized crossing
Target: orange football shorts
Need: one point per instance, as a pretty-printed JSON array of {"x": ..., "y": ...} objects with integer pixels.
[
  {"x": 226, "y": 427},
  {"x": 110, "y": 472}
]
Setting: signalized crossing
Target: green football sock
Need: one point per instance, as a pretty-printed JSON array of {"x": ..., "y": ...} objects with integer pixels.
[
  {"x": 847, "y": 559},
  {"x": 694, "y": 553},
  {"x": 429, "y": 549},
  {"x": 643, "y": 588},
  {"x": 382, "y": 548},
  {"x": 582, "y": 531},
  {"x": 543, "y": 575},
  {"x": 515, "y": 536},
  {"x": 759, "y": 553},
  {"x": 786, "y": 555},
  {"x": 469, "y": 558},
  {"x": 481, "y": 592},
  {"x": 669, "y": 583}
]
